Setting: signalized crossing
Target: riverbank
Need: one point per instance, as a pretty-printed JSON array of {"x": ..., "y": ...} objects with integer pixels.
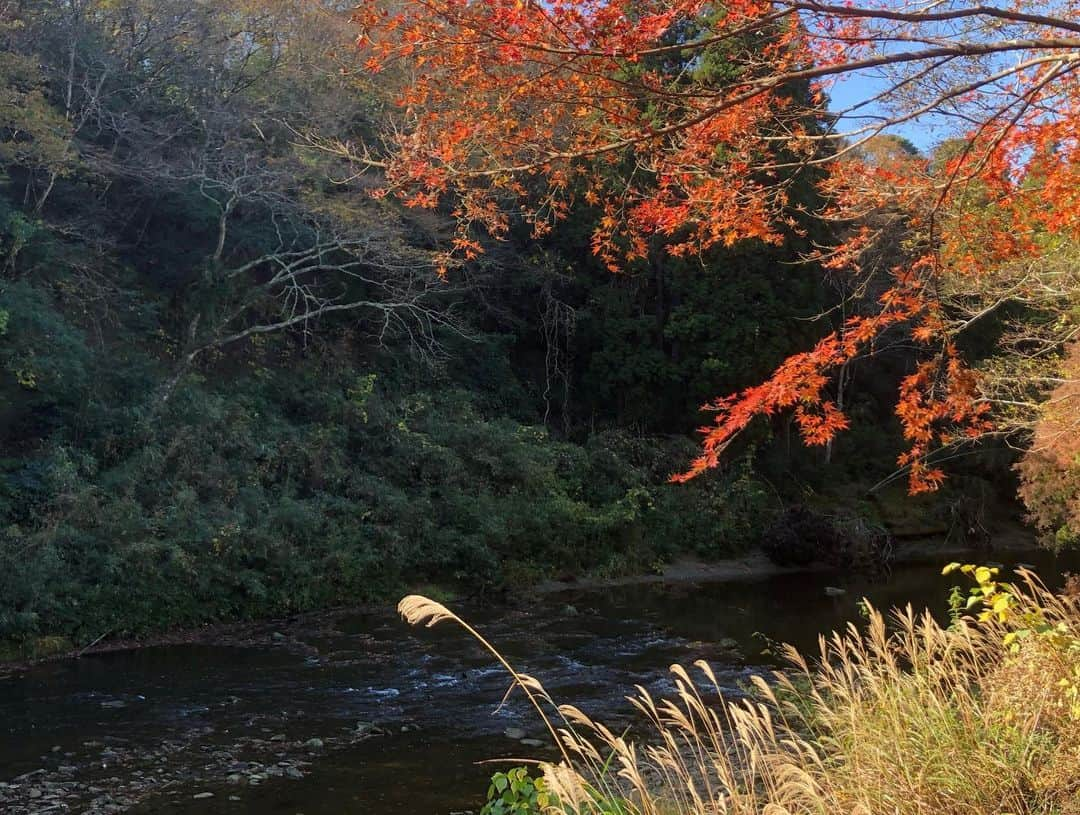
[
  {"x": 753, "y": 565},
  {"x": 1014, "y": 538}
]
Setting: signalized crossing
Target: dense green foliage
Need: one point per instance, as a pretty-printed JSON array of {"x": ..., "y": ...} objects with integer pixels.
[
  {"x": 304, "y": 472},
  {"x": 232, "y": 386},
  {"x": 294, "y": 487}
]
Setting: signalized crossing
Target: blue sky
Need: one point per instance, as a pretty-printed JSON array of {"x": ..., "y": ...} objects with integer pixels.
[{"x": 852, "y": 88}]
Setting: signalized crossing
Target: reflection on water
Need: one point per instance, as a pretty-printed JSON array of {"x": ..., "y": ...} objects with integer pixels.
[{"x": 171, "y": 718}]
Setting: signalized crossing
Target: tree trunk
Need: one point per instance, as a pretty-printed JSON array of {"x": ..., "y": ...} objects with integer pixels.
[
  {"x": 40, "y": 204},
  {"x": 223, "y": 226}
]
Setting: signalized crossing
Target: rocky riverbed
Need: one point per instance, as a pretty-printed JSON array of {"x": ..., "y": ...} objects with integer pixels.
[{"x": 114, "y": 774}]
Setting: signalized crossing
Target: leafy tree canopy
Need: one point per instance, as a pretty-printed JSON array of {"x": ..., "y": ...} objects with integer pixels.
[{"x": 679, "y": 121}]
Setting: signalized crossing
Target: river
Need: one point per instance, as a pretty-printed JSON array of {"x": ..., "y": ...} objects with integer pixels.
[{"x": 358, "y": 713}]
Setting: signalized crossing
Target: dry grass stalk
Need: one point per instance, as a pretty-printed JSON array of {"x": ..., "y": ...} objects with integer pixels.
[{"x": 905, "y": 718}]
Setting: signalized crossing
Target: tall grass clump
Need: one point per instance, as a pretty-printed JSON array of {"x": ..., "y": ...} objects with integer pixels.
[{"x": 900, "y": 716}]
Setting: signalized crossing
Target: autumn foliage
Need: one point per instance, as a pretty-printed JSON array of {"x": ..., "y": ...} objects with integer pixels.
[
  {"x": 686, "y": 124},
  {"x": 1050, "y": 469}
]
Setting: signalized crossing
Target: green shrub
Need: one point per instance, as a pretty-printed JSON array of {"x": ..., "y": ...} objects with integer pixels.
[
  {"x": 252, "y": 501},
  {"x": 515, "y": 792}
]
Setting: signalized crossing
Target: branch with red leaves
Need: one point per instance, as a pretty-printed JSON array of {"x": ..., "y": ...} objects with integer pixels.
[{"x": 521, "y": 110}]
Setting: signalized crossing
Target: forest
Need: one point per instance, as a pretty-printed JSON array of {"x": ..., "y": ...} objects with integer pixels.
[
  {"x": 237, "y": 385},
  {"x": 639, "y": 331},
  {"x": 234, "y": 384}
]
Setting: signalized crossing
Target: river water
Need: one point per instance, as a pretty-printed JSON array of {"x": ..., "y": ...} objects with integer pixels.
[{"x": 362, "y": 714}]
